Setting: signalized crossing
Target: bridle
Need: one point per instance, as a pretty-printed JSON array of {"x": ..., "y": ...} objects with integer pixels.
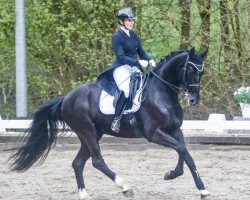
[
  {"x": 183, "y": 77},
  {"x": 199, "y": 69}
]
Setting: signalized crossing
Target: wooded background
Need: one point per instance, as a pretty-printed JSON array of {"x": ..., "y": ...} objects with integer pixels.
[{"x": 69, "y": 42}]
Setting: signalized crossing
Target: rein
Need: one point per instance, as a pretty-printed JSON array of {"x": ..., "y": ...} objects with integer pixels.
[
  {"x": 173, "y": 87},
  {"x": 183, "y": 76}
]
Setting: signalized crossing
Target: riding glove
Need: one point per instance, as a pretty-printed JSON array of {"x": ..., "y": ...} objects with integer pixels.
[
  {"x": 152, "y": 62},
  {"x": 143, "y": 63}
]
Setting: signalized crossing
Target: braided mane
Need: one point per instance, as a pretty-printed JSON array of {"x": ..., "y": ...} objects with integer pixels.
[{"x": 170, "y": 56}]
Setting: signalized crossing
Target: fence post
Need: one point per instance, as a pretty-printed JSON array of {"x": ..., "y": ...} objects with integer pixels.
[
  {"x": 2, "y": 129},
  {"x": 215, "y": 120}
]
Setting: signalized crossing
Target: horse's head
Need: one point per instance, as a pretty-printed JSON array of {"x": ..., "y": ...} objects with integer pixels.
[
  {"x": 182, "y": 68},
  {"x": 191, "y": 75}
]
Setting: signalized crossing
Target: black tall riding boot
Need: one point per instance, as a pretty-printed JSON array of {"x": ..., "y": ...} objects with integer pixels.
[{"x": 119, "y": 109}]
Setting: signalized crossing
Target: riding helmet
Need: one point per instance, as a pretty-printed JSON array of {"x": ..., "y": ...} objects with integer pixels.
[{"x": 125, "y": 13}]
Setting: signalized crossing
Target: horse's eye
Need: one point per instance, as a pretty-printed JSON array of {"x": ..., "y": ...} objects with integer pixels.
[{"x": 191, "y": 70}]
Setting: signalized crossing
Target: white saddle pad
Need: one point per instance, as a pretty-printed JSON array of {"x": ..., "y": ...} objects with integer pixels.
[{"x": 106, "y": 103}]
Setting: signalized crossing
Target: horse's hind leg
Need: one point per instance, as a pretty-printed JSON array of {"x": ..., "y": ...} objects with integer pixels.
[
  {"x": 99, "y": 163},
  {"x": 78, "y": 165}
]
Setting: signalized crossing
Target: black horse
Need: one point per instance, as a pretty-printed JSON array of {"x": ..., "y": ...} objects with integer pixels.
[{"x": 160, "y": 118}]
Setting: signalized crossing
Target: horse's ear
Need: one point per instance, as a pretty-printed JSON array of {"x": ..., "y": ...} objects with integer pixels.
[
  {"x": 204, "y": 53},
  {"x": 191, "y": 53}
]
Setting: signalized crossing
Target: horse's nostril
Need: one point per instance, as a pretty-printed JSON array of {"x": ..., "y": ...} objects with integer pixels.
[{"x": 192, "y": 102}]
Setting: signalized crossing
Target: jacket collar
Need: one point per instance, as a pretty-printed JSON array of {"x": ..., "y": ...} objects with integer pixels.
[{"x": 125, "y": 30}]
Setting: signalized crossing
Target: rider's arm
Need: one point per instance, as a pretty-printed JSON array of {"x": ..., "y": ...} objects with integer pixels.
[{"x": 142, "y": 54}]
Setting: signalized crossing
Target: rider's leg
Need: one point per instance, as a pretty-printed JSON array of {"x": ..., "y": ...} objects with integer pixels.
[
  {"x": 119, "y": 109},
  {"x": 122, "y": 78}
]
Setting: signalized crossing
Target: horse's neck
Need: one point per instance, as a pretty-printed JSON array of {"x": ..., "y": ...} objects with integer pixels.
[
  {"x": 170, "y": 70},
  {"x": 160, "y": 88}
]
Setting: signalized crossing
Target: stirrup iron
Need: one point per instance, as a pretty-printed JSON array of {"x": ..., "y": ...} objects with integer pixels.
[{"x": 115, "y": 126}]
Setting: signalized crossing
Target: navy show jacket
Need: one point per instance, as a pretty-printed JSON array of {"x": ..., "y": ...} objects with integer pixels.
[{"x": 126, "y": 49}]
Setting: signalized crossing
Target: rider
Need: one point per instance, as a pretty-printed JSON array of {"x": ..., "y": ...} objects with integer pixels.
[{"x": 126, "y": 45}]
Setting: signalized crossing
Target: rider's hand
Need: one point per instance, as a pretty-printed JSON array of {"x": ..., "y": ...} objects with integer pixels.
[
  {"x": 143, "y": 63},
  {"x": 152, "y": 62}
]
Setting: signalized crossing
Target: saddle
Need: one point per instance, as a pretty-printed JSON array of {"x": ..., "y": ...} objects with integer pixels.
[
  {"x": 107, "y": 102},
  {"x": 134, "y": 86}
]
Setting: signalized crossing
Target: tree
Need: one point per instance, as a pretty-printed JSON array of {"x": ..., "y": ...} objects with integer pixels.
[
  {"x": 225, "y": 42},
  {"x": 248, "y": 27},
  {"x": 185, "y": 23},
  {"x": 204, "y": 11},
  {"x": 69, "y": 42}
]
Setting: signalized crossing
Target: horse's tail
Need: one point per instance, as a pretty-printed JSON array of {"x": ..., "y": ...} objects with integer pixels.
[{"x": 42, "y": 135}]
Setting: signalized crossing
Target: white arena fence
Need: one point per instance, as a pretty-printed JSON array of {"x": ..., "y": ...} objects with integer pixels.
[{"x": 209, "y": 125}]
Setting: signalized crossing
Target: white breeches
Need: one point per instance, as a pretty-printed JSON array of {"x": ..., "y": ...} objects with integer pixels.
[{"x": 122, "y": 77}]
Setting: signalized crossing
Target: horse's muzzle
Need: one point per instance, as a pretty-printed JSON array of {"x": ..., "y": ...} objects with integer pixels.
[
  {"x": 192, "y": 99},
  {"x": 192, "y": 102}
]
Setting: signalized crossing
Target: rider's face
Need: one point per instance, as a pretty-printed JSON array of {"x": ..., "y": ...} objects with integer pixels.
[{"x": 129, "y": 23}]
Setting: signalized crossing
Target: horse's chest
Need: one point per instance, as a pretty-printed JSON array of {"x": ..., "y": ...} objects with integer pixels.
[{"x": 169, "y": 116}]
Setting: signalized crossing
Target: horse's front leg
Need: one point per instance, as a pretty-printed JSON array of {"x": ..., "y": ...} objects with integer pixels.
[
  {"x": 162, "y": 138},
  {"x": 178, "y": 171}
]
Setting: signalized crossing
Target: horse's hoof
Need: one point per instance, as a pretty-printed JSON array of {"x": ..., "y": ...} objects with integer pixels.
[
  {"x": 204, "y": 197},
  {"x": 204, "y": 194},
  {"x": 87, "y": 197},
  {"x": 83, "y": 194},
  {"x": 167, "y": 176},
  {"x": 128, "y": 193}
]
